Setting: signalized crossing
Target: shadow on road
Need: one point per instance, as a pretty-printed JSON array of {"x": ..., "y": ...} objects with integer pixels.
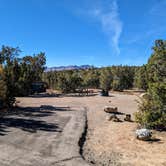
[
  {"x": 52, "y": 108},
  {"x": 29, "y": 119},
  {"x": 28, "y": 125}
]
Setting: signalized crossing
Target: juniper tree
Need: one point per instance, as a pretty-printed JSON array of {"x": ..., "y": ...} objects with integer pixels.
[{"x": 153, "y": 106}]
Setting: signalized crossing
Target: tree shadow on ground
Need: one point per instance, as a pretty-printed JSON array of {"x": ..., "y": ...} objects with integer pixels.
[
  {"x": 42, "y": 111},
  {"x": 119, "y": 113},
  {"x": 28, "y": 119},
  {"x": 116, "y": 113},
  {"x": 44, "y": 95},
  {"x": 61, "y": 95},
  {"x": 155, "y": 140},
  {"x": 78, "y": 95},
  {"x": 31, "y": 112},
  {"x": 52, "y": 108},
  {"x": 29, "y": 125}
]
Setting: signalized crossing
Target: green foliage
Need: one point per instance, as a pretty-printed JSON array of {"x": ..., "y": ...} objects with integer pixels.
[
  {"x": 123, "y": 77},
  {"x": 69, "y": 81},
  {"x": 16, "y": 75},
  {"x": 91, "y": 78},
  {"x": 106, "y": 78},
  {"x": 141, "y": 78},
  {"x": 152, "y": 112},
  {"x": 115, "y": 77},
  {"x": 156, "y": 66},
  {"x": 8, "y": 58},
  {"x": 116, "y": 84},
  {"x": 153, "y": 107},
  {"x": 31, "y": 70}
]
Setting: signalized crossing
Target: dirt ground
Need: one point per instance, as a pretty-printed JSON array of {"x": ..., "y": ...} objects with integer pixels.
[
  {"x": 107, "y": 143},
  {"x": 114, "y": 143}
]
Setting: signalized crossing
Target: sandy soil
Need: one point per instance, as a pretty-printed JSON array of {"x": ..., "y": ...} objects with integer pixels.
[{"x": 114, "y": 143}]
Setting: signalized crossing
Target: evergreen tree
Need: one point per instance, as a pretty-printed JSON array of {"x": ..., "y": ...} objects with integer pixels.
[
  {"x": 8, "y": 58},
  {"x": 153, "y": 106},
  {"x": 141, "y": 78},
  {"x": 106, "y": 80}
]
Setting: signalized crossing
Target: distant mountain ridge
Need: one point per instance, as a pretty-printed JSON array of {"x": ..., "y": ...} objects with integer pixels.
[{"x": 71, "y": 67}]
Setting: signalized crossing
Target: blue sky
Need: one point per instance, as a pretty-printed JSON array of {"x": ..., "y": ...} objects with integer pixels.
[{"x": 76, "y": 32}]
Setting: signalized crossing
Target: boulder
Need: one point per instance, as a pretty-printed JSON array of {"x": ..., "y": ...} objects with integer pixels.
[
  {"x": 128, "y": 118},
  {"x": 143, "y": 134},
  {"x": 109, "y": 109}
]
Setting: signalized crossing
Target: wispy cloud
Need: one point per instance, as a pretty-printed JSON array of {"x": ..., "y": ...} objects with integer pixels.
[{"x": 110, "y": 22}]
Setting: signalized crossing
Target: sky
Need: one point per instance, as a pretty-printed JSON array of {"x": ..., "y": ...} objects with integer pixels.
[{"x": 78, "y": 32}]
